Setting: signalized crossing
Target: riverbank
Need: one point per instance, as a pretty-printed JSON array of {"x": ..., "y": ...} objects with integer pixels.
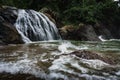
[{"x": 81, "y": 31}]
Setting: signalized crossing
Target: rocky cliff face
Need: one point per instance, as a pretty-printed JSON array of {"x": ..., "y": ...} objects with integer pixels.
[
  {"x": 87, "y": 32},
  {"x": 82, "y": 32},
  {"x": 8, "y": 33}
]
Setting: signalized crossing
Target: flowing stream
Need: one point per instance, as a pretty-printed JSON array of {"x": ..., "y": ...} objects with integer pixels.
[
  {"x": 56, "y": 60},
  {"x": 35, "y": 26},
  {"x": 52, "y": 60}
]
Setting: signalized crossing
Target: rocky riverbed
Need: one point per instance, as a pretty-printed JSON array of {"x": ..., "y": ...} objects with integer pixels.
[{"x": 61, "y": 60}]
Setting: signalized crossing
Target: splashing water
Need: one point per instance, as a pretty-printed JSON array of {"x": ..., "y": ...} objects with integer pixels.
[
  {"x": 34, "y": 26},
  {"x": 52, "y": 60}
]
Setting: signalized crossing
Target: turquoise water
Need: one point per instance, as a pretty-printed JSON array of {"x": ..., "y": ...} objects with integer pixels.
[{"x": 52, "y": 60}]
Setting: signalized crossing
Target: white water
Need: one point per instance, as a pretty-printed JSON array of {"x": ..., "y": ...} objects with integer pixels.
[
  {"x": 31, "y": 59},
  {"x": 34, "y": 26},
  {"x": 101, "y": 38}
]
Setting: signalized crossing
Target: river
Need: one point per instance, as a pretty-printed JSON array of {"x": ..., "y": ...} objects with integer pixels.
[{"x": 51, "y": 60}]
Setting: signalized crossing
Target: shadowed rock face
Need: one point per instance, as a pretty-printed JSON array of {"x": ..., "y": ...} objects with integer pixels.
[
  {"x": 86, "y": 32},
  {"x": 92, "y": 55},
  {"x": 8, "y": 33},
  {"x": 83, "y": 32}
]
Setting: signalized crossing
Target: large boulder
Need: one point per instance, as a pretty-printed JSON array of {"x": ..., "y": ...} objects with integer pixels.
[
  {"x": 93, "y": 55},
  {"x": 102, "y": 30},
  {"x": 8, "y": 32},
  {"x": 68, "y": 32},
  {"x": 86, "y": 32},
  {"x": 81, "y": 32}
]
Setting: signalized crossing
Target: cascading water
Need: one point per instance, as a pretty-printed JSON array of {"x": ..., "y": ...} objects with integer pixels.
[
  {"x": 56, "y": 60},
  {"x": 34, "y": 26}
]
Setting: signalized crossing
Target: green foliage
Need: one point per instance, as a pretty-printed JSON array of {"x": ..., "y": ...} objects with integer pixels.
[
  {"x": 81, "y": 14},
  {"x": 92, "y": 11},
  {"x": 108, "y": 12},
  {"x": 16, "y": 3},
  {"x": 74, "y": 11}
]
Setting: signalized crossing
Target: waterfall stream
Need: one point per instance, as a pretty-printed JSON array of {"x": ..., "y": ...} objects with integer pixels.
[
  {"x": 56, "y": 59},
  {"x": 34, "y": 26}
]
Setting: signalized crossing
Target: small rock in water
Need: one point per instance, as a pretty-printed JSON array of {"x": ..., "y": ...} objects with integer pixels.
[{"x": 92, "y": 55}]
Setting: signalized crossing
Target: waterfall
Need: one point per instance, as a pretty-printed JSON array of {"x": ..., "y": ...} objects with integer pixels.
[{"x": 34, "y": 26}]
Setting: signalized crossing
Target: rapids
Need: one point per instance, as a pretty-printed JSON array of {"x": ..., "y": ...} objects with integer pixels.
[{"x": 51, "y": 60}]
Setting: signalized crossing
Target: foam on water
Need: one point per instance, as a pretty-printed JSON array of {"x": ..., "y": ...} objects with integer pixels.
[
  {"x": 96, "y": 64},
  {"x": 118, "y": 73},
  {"x": 67, "y": 47},
  {"x": 63, "y": 47},
  {"x": 53, "y": 75},
  {"x": 23, "y": 66},
  {"x": 60, "y": 65},
  {"x": 54, "y": 62},
  {"x": 69, "y": 64},
  {"x": 101, "y": 38}
]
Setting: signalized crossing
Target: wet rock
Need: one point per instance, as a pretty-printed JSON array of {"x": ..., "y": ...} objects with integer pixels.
[
  {"x": 87, "y": 32},
  {"x": 81, "y": 32},
  {"x": 101, "y": 29},
  {"x": 8, "y": 32},
  {"x": 52, "y": 15},
  {"x": 93, "y": 55},
  {"x": 8, "y": 14},
  {"x": 67, "y": 32},
  {"x": 49, "y": 13}
]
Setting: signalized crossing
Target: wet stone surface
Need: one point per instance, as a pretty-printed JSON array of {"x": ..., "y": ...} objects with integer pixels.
[{"x": 93, "y": 55}]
